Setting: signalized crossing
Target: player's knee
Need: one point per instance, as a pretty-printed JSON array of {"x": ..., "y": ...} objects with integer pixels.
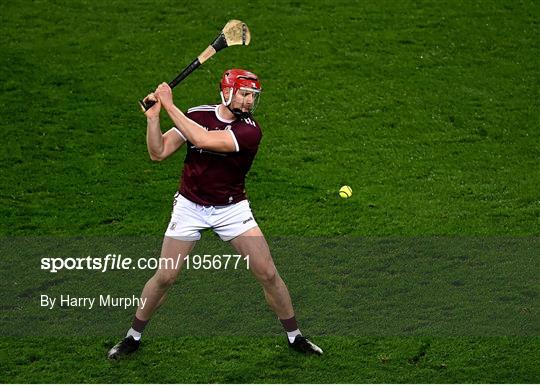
[
  {"x": 165, "y": 279},
  {"x": 268, "y": 276}
]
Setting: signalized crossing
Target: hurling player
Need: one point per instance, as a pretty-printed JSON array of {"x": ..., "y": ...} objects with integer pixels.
[{"x": 222, "y": 141}]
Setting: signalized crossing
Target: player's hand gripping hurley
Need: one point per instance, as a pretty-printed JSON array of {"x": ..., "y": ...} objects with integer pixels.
[{"x": 234, "y": 33}]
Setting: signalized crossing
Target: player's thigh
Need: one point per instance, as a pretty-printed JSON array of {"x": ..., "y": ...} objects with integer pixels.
[
  {"x": 252, "y": 244},
  {"x": 187, "y": 220},
  {"x": 173, "y": 253}
]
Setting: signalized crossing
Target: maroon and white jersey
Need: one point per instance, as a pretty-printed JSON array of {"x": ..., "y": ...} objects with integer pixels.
[{"x": 212, "y": 178}]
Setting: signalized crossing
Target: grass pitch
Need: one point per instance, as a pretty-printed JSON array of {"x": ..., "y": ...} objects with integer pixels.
[{"x": 428, "y": 110}]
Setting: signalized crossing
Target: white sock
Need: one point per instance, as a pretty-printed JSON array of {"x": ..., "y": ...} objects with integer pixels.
[
  {"x": 292, "y": 334},
  {"x": 135, "y": 334}
]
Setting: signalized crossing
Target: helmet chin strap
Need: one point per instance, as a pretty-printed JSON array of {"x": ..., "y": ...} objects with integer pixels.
[
  {"x": 239, "y": 113},
  {"x": 229, "y": 100},
  {"x": 227, "y": 103}
]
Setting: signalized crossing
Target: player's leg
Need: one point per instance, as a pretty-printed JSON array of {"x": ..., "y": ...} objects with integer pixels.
[
  {"x": 154, "y": 293},
  {"x": 172, "y": 257},
  {"x": 253, "y": 244}
]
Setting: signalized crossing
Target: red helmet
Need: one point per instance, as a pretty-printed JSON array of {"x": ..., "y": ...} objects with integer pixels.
[{"x": 236, "y": 79}]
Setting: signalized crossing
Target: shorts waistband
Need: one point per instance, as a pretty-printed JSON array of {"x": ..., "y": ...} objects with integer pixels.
[
  {"x": 213, "y": 206},
  {"x": 178, "y": 194}
]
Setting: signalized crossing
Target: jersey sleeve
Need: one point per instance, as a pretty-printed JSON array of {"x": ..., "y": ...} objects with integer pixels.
[
  {"x": 190, "y": 116},
  {"x": 246, "y": 136},
  {"x": 179, "y": 133}
]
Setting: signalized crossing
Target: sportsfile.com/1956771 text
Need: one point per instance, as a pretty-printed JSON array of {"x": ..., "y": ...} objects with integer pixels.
[{"x": 112, "y": 262}]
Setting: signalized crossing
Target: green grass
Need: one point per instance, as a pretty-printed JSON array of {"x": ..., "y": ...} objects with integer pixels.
[
  {"x": 265, "y": 360},
  {"x": 428, "y": 110}
]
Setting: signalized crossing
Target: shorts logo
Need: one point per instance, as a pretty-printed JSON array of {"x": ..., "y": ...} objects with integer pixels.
[
  {"x": 173, "y": 226},
  {"x": 248, "y": 220}
]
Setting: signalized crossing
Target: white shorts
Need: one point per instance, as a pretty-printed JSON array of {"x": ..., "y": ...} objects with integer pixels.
[{"x": 228, "y": 221}]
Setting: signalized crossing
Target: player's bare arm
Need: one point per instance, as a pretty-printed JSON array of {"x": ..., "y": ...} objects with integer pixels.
[
  {"x": 216, "y": 140},
  {"x": 160, "y": 146}
]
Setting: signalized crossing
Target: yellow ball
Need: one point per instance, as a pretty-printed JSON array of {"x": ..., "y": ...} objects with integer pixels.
[{"x": 345, "y": 191}]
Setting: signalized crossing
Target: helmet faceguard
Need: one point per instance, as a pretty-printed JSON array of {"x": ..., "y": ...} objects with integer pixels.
[{"x": 245, "y": 82}]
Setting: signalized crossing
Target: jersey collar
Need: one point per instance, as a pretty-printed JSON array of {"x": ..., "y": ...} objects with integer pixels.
[{"x": 219, "y": 117}]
